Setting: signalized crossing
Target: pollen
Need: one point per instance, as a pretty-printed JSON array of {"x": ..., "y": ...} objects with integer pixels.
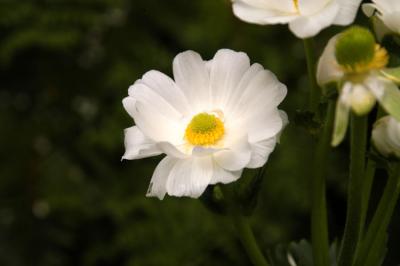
[
  {"x": 204, "y": 129},
  {"x": 379, "y": 61},
  {"x": 296, "y": 5}
]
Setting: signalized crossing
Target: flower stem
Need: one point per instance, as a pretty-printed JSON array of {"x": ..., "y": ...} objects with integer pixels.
[
  {"x": 368, "y": 180},
  {"x": 319, "y": 220},
  {"x": 243, "y": 229},
  {"x": 248, "y": 241},
  {"x": 315, "y": 92},
  {"x": 352, "y": 229},
  {"x": 366, "y": 191},
  {"x": 371, "y": 249}
]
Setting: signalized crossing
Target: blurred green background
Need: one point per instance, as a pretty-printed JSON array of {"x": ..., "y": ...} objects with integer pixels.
[{"x": 65, "y": 196}]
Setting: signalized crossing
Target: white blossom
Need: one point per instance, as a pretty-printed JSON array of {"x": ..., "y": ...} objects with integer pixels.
[
  {"x": 359, "y": 85},
  {"x": 306, "y": 18},
  {"x": 214, "y": 119}
]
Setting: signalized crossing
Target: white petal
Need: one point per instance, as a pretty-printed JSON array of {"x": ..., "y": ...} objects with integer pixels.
[
  {"x": 227, "y": 69},
  {"x": 165, "y": 87},
  {"x": 152, "y": 100},
  {"x": 342, "y": 115},
  {"x": 386, "y": 6},
  {"x": 192, "y": 77},
  {"x": 368, "y": 9},
  {"x": 190, "y": 177},
  {"x": 158, "y": 183},
  {"x": 262, "y": 92},
  {"x": 263, "y": 16},
  {"x": 380, "y": 138},
  {"x": 392, "y": 20},
  {"x": 387, "y": 94},
  {"x": 253, "y": 111},
  {"x": 223, "y": 176},
  {"x": 129, "y": 104},
  {"x": 348, "y": 11},
  {"x": 157, "y": 126},
  {"x": 309, "y": 26},
  {"x": 236, "y": 156},
  {"x": 328, "y": 69},
  {"x": 171, "y": 150},
  {"x": 237, "y": 95},
  {"x": 311, "y": 7},
  {"x": 263, "y": 125},
  {"x": 138, "y": 146},
  {"x": 394, "y": 133},
  {"x": 362, "y": 100},
  {"x": 204, "y": 151},
  {"x": 286, "y": 6},
  {"x": 261, "y": 151}
]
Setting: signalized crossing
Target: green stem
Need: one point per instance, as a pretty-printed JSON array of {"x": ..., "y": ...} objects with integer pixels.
[
  {"x": 366, "y": 191},
  {"x": 248, "y": 241},
  {"x": 244, "y": 230},
  {"x": 315, "y": 92},
  {"x": 371, "y": 249},
  {"x": 352, "y": 229},
  {"x": 319, "y": 220},
  {"x": 368, "y": 181}
]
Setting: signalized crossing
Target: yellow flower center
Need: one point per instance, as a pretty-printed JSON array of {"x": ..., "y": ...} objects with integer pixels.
[
  {"x": 296, "y": 5},
  {"x": 204, "y": 129},
  {"x": 379, "y": 61}
]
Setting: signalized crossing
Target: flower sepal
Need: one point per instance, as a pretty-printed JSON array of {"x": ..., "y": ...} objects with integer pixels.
[
  {"x": 213, "y": 199},
  {"x": 392, "y": 73}
]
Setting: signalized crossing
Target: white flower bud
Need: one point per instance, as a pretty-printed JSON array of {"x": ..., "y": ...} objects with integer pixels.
[{"x": 386, "y": 136}]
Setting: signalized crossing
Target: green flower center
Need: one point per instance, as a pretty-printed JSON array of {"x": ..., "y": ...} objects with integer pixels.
[
  {"x": 203, "y": 123},
  {"x": 355, "y": 46}
]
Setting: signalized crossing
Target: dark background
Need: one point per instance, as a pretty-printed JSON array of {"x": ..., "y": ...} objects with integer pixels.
[{"x": 65, "y": 196}]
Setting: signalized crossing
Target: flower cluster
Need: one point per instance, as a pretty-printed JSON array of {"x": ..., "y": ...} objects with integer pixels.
[{"x": 217, "y": 117}]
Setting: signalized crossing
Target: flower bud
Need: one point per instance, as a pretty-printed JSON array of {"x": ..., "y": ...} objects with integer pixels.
[
  {"x": 362, "y": 100},
  {"x": 386, "y": 136},
  {"x": 355, "y": 46}
]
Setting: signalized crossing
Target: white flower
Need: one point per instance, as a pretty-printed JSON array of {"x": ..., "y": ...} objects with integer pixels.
[
  {"x": 306, "y": 18},
  {"x": 361, "y": 83},
  {"x": 386, "y": 136},
  {"x": 216, "y": 118},
  {"x": 386, "y": 16}
]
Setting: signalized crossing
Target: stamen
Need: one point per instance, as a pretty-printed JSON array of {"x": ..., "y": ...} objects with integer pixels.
[
  {"x": 296, "y": 5},
  {"x": 379, "y": 61},
  {"x": 204, "y": 129}
]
